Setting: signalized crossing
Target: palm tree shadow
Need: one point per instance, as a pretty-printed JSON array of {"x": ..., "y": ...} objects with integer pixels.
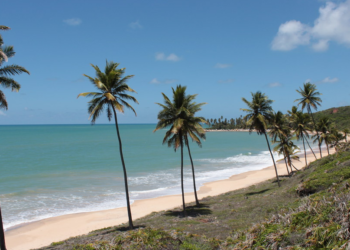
[
  {"x": 192, "y": 211},
  {"x": 121, "y": 229},
  {"x": 258, "y": 192}
]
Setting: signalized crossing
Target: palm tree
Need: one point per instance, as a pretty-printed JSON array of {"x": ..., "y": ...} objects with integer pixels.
[
  {"x": 278, "y": 129},
  {"x": 286, "y": 147},
  {"x": 336, "y": 136},
  {"x": 259, "y": 114},
  {"x": 6, "y": 81},
  {"x": 112, "y": 96},
  {"x": 324, "y": 125},
  {"x": 178, "y": 114},
  {"x": 300, "y": 123},
  {"x": 9, "y": 70},
  {"x": 346, "y": 131},
  {"x": 310, "y": 100}
]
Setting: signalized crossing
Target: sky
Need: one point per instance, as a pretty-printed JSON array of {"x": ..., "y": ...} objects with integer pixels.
[{"x": 221, "y": 50}]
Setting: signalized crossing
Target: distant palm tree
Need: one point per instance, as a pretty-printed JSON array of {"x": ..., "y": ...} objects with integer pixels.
[
  {"x": 336, "y": 136},
  {"x": 324, "y": 125},
  {"x": 287, "y": 147},
  {"x": 310, "y": 100},
  {"x": 178, "y": 114},
  {"x": 300, "y": 124},
  {"x": 279, "y": 129},
  {"x": 112, "y": 96},
  {"x": 259, "y": 114},
  {"x": 346, "y": 131}
]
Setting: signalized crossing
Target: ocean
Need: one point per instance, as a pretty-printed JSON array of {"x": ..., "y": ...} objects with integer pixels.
[{"x": 52, "y": 170}]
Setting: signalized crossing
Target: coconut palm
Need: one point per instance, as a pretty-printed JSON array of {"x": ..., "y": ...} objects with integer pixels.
[
  {"x": 6, "y": 81},
  {"x": 112, "y": 97},
  {"x": 287, "y": 147},
  {"x": 259, "y": 114},
  {"x": 301, "y": 125},
  {"x": 346, "y": 131},
  {"x": 7, "y": 71},
  {"x": 279, "y": 129},
  {"x": 324, "y": 125},
  {"x": 178, "y": 114},
  {"x": 336, "y": 136},
  {"x": 310, "y": 100}
]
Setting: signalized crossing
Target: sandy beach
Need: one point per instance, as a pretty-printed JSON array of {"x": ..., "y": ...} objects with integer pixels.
[{"x": 42, "y": 233}]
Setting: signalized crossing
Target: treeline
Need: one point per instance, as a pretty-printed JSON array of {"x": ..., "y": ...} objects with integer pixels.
[{"x": 224, "y": 123}]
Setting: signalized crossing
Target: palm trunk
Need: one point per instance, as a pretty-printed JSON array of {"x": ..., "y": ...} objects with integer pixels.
[
  {"x": 318, "y": 137},
  {"x": 285, "y": 161},
  {"x": 304, "y": 149},
  {"x": 131, "y": 226},
  {"x": 284, "y": 154},
  {"x": 182, "y": 177},
  {"x": 295, "y": 167},
  {"x": 273, "y": 159},
  {"x": 327, "y": 148},
  {"x": 2, "y": 234},
  {"x": 193, "y": 176},
  {"x": 346, "y": 137},
  {"x": 311, "y": 148}
]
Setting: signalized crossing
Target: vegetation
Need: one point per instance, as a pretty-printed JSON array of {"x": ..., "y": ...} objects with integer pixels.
[
  {"x": 259, "y": 114},
  {"x": 309, "y": 211},
  {"x": 339, "y": 116},
  {"x": 310, "y": 100},
  {"x": 6, "y": 72},
  {"x": 111, "y": 96},
  {"x": 178, "y": 114}
]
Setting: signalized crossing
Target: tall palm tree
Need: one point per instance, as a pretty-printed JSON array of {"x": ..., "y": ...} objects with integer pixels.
[
  {"x": 346, "y": 131},
  {"x": 279, "y": 129},
  {"x": 259, "y": 114},
  {"x": 310, "y": 100},
  {"x": 178, "y": 114},
  {"x": 6, "y": 72},
  {"x": 300, "y": 124},
  {"x": 112, "y": 96}
]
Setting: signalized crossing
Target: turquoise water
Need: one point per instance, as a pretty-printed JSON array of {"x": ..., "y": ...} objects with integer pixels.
[{"x": 51, "y": 170}]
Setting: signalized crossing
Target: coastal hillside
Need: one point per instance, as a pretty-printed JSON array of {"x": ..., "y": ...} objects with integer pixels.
[
  {"x": 340, "y": 116},
  {"x": 309, "y": 211}
]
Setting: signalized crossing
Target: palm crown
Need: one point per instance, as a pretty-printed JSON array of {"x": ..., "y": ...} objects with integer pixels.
[
  {"x": 179, "y": 115},
  {"x": 112, "y": 86},
  {"x": 309, "y": 97},
  {"x": 259, "y": 112},
  {"x": 7, "y": 71}
]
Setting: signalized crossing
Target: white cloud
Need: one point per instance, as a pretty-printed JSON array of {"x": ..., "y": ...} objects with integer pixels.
[
  {"x": 329, "y": 80},
  {"x": 226, "y": 81},
  {"x": 2, "y": 113},
  {"x": 308, "y": 80},
  {"x": 167, "y": 81},
  {"x": 333, "y": 24},
  {"x": 274, "y": 84},
  {"x": 162, "y": 57},
  {"x": 73, "y": 21},
  {"x": 290, "y": 35},
  {"x": 135, "y": 25},
  {"x": 222, "y": 65}
]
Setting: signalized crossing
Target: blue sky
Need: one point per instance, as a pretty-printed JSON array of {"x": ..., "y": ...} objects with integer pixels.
[{"x": 221, "y": 50}]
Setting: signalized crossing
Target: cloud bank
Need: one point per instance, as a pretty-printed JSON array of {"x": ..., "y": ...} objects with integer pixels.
[{"x": 333, "y": 24}]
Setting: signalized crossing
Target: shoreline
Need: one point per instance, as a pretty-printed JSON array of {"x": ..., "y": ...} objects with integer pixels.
[{"x": 43, "y": 232}]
